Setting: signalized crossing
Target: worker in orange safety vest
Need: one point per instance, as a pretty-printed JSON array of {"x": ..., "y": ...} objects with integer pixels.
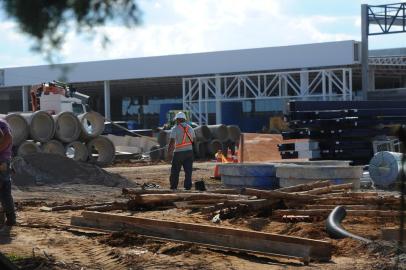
[{"x": 181, "y": 145}]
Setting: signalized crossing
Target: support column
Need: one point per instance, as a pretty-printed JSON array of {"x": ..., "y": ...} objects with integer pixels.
[
  {"x": 107, "y": 111},
  {"x": 323, "y": 85},
  {"x": 364, "y": 50},
  {"x": 219, "y": 118},
  {"x": 371, "y": 79},
  {"x": 24, "y": 98},
  {"x": 304, "y": 82}
]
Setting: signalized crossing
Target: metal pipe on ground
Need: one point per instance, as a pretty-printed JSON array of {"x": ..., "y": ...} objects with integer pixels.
[
  {"x": 19, "y": 128},
  {"x": 234, "y": 133},
  {"x": 219, "y": 132},
  {"x": 92, "y": 124},
  {"x": 42, "y": 125},
  {"x": 67, "y": 127},
  {"x": 101, "y": 151},
  {"x": 202, "y": 133},
  {"x": 28, "y": 147},
  {"x": 53, "y": 147},
  {"x": 77, "y": 151},
  {"x": 214, "y": 146},
  {"x": 334, "y": 228}
]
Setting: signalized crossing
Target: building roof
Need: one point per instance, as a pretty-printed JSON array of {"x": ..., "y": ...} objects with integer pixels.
[{"x": 317, "y": 55}]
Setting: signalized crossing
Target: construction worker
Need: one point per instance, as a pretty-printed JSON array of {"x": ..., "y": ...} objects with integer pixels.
[
  {"x": 181, "y": 145},
  {"x": 5, "y": 180}
]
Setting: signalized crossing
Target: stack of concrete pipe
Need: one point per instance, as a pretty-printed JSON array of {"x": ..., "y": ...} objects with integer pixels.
[
  {"x": 209, "y": 139},
  {"x": 77, "y": 137}
]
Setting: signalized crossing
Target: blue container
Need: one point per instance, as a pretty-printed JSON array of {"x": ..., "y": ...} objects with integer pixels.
[
  {"x": 231, "y": 113},
  {"x": 237, "y": 175},
  {"x": 165, "y": 108}
]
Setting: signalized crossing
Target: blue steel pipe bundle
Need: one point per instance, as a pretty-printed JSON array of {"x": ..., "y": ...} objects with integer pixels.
[{"x": 344, "y": 130}]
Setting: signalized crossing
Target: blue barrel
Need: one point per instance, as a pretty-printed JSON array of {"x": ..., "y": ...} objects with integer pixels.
[
  {"x": 165, "y": 108},
  {"x": 238, "y": 175}
]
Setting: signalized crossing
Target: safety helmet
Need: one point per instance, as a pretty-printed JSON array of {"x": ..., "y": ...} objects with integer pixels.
[{"x": 180, "y": 115}]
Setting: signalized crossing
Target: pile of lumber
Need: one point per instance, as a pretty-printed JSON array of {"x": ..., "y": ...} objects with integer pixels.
[
  {"x": 305, "y": 201},
  {"x": 312, "y": 200}
]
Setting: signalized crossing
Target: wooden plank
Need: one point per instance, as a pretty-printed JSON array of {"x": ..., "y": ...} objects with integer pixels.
[
  {"x": 305, "y": 187},
  {"x": 326, "y": 212},
  {"x": 354, "y": 200},
  {"x": 139, "y": 191},
  {"x": 274, "y": 194},
  {"x": 212, "y": 235},
  {"x": 328, "y": 189},
  {"x": 90, "y": 228},
  {"x": 160, "y": 199},
  {"x": 348, "y": 207}
]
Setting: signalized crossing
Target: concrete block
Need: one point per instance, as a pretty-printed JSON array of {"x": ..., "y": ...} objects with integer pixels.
[{"x": 319, "y": 172}]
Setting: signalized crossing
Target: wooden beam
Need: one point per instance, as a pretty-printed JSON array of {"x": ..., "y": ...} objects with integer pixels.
[
  {"x": 328, "y": 189},
  {"x": 274, "y": 194},
  {"x": 348, "y": 207},
  {"x": 305, "y": 187},
  {"x": 163, "y": 199},
  {"x": 227, "y": 238},
  {"x": 326, "y": 212},
  {"x": 357, "y": 201}
]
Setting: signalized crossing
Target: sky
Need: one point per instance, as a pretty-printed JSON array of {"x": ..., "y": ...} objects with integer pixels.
[{"x": 190, "y": 26}]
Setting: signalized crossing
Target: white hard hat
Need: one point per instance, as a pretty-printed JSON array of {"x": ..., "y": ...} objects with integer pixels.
[{"x": 180, "y": 115}]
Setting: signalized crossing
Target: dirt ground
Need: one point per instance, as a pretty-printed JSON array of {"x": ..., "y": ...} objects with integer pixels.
[{"x": 45, "y": 240}]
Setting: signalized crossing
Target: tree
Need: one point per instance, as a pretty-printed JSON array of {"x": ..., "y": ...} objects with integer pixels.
[{"x": 48, "y": 21}]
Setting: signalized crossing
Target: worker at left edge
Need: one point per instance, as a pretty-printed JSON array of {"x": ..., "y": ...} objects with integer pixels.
[{"x": 6, "y": 199}]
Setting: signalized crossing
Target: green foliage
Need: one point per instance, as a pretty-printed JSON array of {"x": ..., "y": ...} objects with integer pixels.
[
  {"x": 48, "y": 21},
  {"x": 15, "y": 257}
]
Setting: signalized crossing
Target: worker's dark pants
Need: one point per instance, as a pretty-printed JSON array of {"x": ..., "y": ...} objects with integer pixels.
[
  {"x": 185, "y": 159},
  {"x": 5, "y": 196}
]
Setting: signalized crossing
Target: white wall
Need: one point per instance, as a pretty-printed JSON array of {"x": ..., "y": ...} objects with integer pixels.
[{"x": 274, "y": 58}]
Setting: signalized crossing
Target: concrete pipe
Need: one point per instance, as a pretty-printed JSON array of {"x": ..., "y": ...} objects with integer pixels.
[
  {"x": 203, "y": 133},
  {"x": 77, "y": 151},
  {"x": 214, "y": 146},
  {"x": 234, "y": 133},
  {"x": 19, "y": 128},
  {"x": 67, "y": 127},
  {"x": 53, "y": 147},
  {"x": 219, "y": 132},
  {"x": 101, "y": 151},
  {"x": 42, "y": 125},
  {"x": 28, "y": 147},
  {"x": 200, "y": 149},
  {"x": 92, "y": 124}
]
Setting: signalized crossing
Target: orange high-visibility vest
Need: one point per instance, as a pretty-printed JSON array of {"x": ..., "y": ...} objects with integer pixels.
[{"x": 184, "y": 143}]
